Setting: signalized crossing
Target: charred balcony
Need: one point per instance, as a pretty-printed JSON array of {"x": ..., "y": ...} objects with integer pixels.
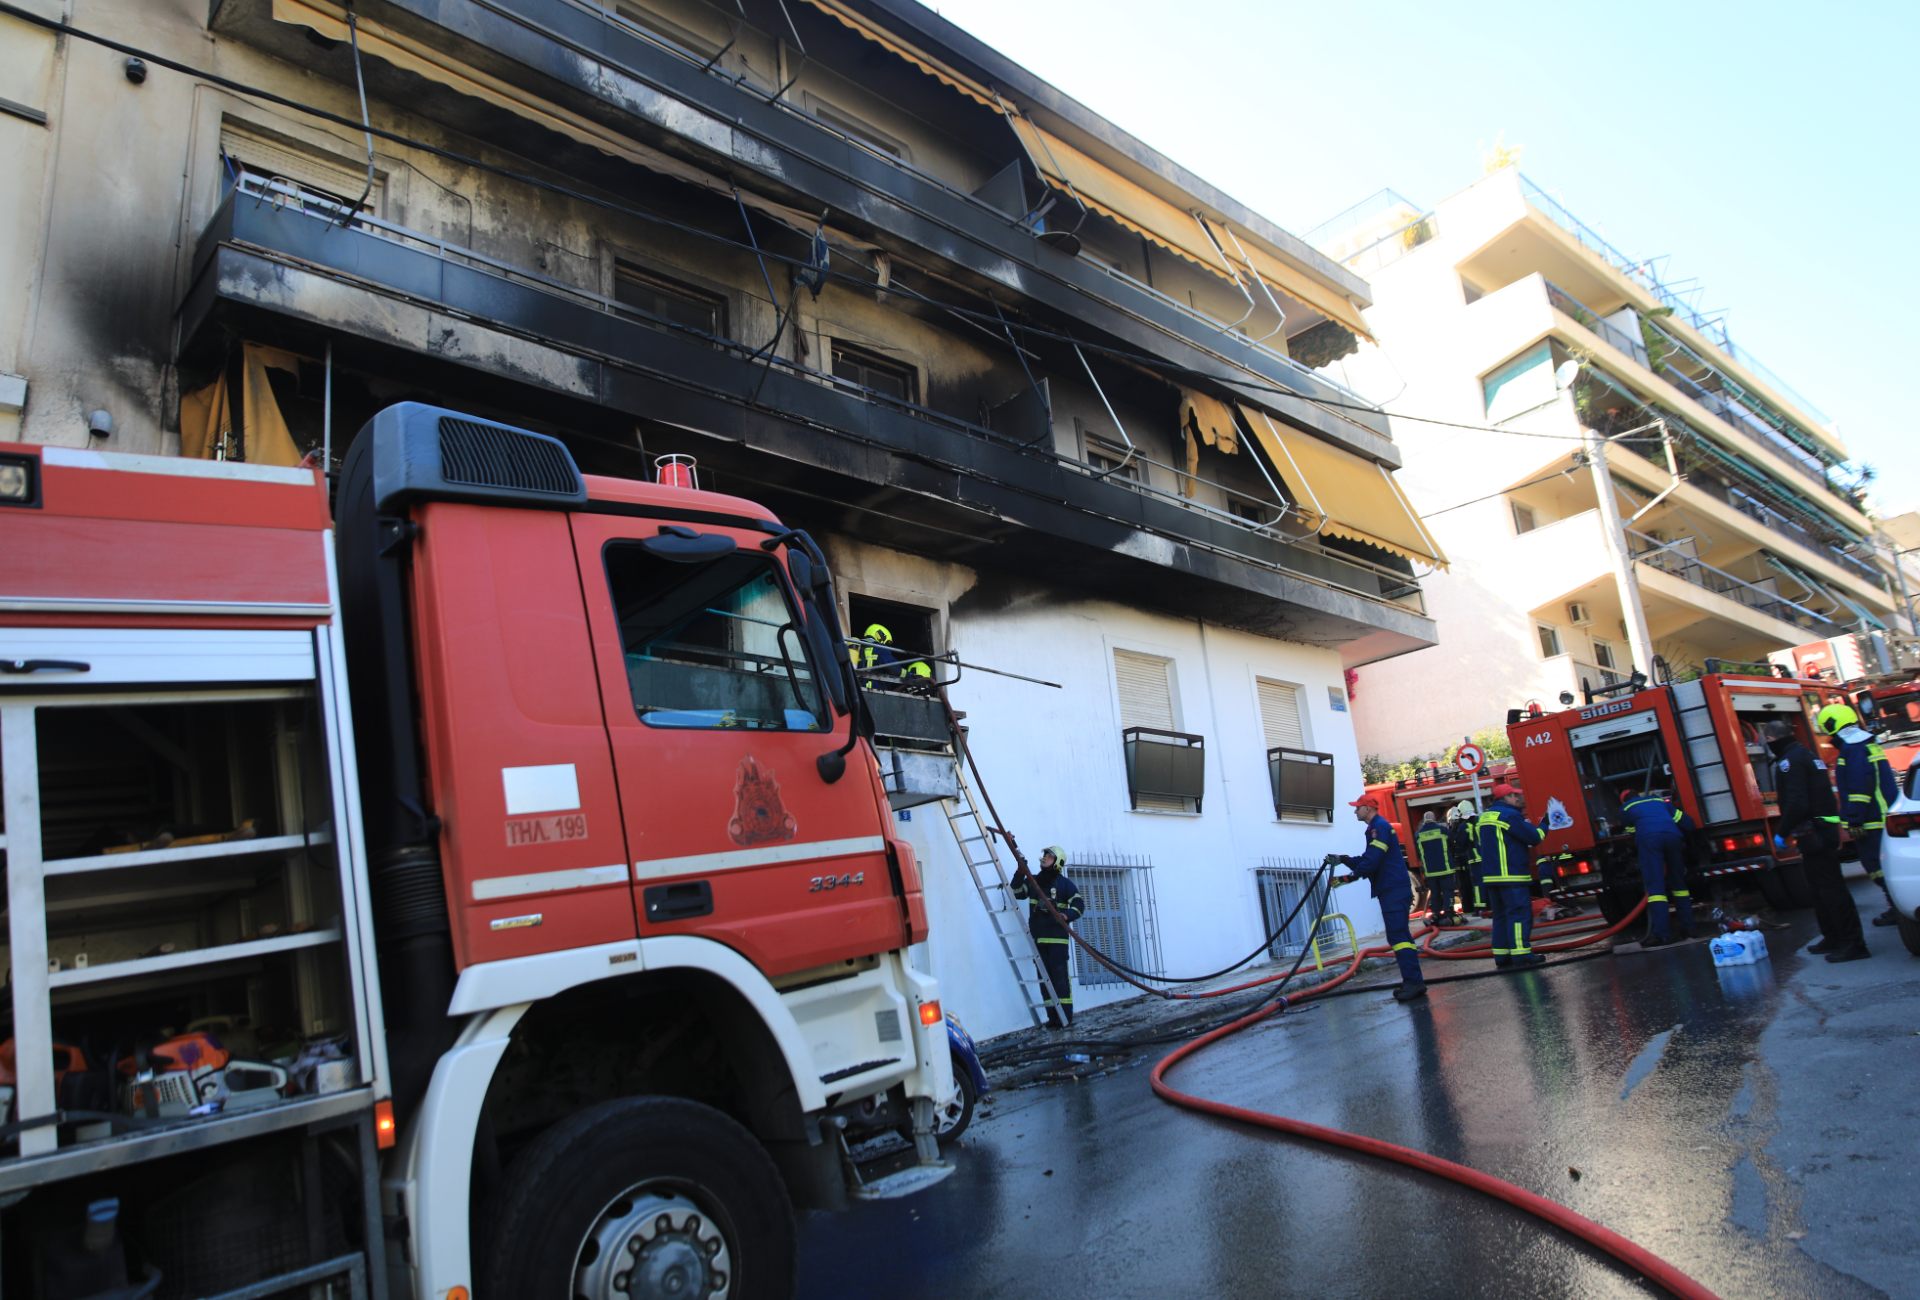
[{"x": 441, "y": 320}]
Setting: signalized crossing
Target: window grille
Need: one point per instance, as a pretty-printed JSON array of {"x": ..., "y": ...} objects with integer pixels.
[
  {"x": 1121, "y": 916},
  {"x": 1281, "y": 882}
]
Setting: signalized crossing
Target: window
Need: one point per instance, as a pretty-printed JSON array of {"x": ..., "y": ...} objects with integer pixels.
[
  {"x": 1469, "y": 291},
  {"x": 1281, "y": 887},
  {"x": 1520, "y": 385},
  {"x": 1120, "y": 915},
  {"x": 1549, "y": 641},
  {"x": 670, "y": 300},
  {"x": 873, "y": 371},
  {"x": 1603, "y": 654},
  {"x": 1280, "y": 714},
  {"x": 1111, "y": 458},
  {"x": 1524, "y": 519},
  {"x": 1301, "y": 780},
  {"x": 1165, "y": 767},
  {"x": 336, "y": 178},
  {"x": 854, "y": 129},
  {"x": 1248, "y": 511},
  {"x": 704, "y": 45},
  {"x": 712, "y": 645}
]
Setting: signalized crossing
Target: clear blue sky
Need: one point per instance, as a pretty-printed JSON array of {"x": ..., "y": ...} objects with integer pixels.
[{"x": 1768, "y": 148}]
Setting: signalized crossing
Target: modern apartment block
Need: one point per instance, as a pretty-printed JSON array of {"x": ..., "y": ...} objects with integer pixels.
[
  {"x": 1741, "y": 513},
  {"x": 1050, "y": 401}
]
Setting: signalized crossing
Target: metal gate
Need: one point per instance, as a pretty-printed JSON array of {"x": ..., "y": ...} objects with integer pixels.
[
  {"x": 1121, "y": 917},
  {"x": 1281, "y": 882}
]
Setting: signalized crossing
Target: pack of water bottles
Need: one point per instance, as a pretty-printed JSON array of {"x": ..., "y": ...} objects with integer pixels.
[{"x": 1739, "y": 948}]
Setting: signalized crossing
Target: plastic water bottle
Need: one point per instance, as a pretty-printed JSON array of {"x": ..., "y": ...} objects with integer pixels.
[{"x": 1739, "y": 948}]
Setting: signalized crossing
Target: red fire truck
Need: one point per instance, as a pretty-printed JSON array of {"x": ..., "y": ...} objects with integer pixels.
[
  {"x": 484, "y": 888},
  {"x": 1699, "y": 739},
  {"x": 1881, "y": 671}
]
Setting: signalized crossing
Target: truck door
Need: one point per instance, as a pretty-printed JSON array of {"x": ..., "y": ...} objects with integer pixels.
[{"x": 716, "y": 715}]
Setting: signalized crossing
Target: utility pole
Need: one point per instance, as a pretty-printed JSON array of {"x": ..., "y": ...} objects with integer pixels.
[{"x": 1639, "y": 643}]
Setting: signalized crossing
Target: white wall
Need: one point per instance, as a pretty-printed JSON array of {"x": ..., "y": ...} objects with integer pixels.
[{"x": 1052, "y": 761}]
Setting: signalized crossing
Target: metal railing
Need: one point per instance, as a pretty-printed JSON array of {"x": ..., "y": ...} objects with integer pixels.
[
  {"x": 1369, "y": 578},
  {"x": 1642, "y": 272},
  {"x": 1596, "y": 323},
  {"x": 1120, "y": 916},
  {"x": 1279, "y": 884},
  {"x": 1665, "y": 557}
]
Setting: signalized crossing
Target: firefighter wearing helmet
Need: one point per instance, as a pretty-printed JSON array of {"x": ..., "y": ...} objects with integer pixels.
[
  {"x": 1049, "y": 935},
  {"x": 1384, "y": 865},
  {"x": 1507, "y": 840},
  {"x": 1465, "y": 848},
  {"x": 1866, "y": 786},
  {"x": 874, "y": 650},
  {"x": 1809, "y": 814}
]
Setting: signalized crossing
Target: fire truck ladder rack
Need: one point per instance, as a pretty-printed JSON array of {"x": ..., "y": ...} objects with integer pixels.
[
  {"x": 1705, "y": 762},
  {"x": 1004, "y": 913}
]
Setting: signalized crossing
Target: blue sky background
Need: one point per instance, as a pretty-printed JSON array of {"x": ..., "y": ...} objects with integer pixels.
[{"x": 1768, "y": 149}]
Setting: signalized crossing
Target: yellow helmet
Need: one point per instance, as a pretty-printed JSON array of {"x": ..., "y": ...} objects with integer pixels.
[
  {"x": 877, "y": 632},
  {"x": 1464, "y": 807},
  {"x": 1059, "y": 855},
  {"x": 1835, "y": 716},
  {"x": 918, "y": 668}
]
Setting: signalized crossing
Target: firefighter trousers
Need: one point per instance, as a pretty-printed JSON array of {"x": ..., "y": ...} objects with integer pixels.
[
  {"x": 1832, "y": 904},
  {"x": 1406, "y": 954},
  {"x": 1512, "y": 922},
  {"x": 1663, "y": 872},
  {"x": 1868, "y": 843},
  {"x": 1056, "y": 953},
  {"x": 1440, "y": 894}
]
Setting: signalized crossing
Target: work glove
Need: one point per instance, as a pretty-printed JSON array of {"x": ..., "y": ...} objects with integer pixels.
[{"x": 1779, "y": 842}]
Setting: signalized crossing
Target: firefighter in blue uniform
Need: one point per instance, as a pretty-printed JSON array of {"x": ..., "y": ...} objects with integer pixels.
[
  {"x": 1049, "y": 935},
  {"x": 1867, "y": 787},
  {"x": 1384, "y": 865},
  {"x": 1507, "y": 841},
  {"x": 1465, "y": 845},
  {"x": 1436, "y": 861},
  {"x": 1659, "y": 837}
]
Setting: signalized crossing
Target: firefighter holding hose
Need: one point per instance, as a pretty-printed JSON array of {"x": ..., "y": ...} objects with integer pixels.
[
  {"x": 1049, "y": 935},
  {"x": 1384, "y": 865}
]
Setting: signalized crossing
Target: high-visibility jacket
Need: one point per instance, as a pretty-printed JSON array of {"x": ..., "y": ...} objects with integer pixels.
[
  {"x": 1506, "y": 845},
  {"x": 1066, "y": 899},
  {"x": 1463, "y": 842},
  {"x": 1867, "y": 785},
  {"x": 1435, "y": 859},
  {"x": 1651, "y": 817},
  {"x": 1384, "y": 863}
]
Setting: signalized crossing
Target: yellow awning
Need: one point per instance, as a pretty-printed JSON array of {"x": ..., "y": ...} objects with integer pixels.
[
  {"x": 1198, "y": 239},
  {"x": 1357, "y": 498},
  {"x": 206, "y": 414},
  {"x": 1212, "y": 417},
  {"x": 939, "y": 71}
]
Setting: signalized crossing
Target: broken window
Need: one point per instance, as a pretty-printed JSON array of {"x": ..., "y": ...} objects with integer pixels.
[{"x": 670, "y": 300}]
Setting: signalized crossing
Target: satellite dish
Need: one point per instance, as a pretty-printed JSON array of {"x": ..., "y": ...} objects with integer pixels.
[{"x": 1565, "y": 374}]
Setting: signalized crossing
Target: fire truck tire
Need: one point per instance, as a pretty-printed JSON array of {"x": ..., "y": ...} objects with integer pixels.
[
  {"x": 645, "y": 1196},
  {"x": 1786, "y": 887},
  {"x": 1616, "y": 901},
  {"x": 1910, "y": 934},
  {"x": 951, "y": 1117}
]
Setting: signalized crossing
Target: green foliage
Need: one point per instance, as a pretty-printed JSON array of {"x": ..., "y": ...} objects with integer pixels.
[{"x": 1375, "y": 770}]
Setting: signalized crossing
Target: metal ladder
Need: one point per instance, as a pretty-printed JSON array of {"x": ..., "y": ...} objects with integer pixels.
[
  {"x": 1004, "y": 912},
  {"x": 1704, "y": 759}
]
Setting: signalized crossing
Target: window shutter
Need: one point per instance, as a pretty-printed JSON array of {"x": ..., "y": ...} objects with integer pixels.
[
  {"x": 1280, "y": 715},
  {"x": 269, "y": 155},
  {"x": 1146, "y": 693}
]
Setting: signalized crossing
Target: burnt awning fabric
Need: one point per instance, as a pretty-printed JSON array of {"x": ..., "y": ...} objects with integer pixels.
[
  {"x": 1214, "y": 245},
  {"x": 905, "y": 49},
  {"x": 206, "y": 414},
  {"x": 1357, "y": 498}
]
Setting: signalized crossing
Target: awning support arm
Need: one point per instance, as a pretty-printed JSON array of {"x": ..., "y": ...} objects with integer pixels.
[
  {"x": 1266, "y": 289},
  {"x": 1111, "y": 414}
]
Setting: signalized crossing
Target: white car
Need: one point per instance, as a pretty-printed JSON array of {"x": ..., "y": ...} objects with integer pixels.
[{"x": 1900, "y": 856}]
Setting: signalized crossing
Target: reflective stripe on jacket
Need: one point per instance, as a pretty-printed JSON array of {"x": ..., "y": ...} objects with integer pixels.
[
  {"x": 1384, "y": 864},
  {"x": 1435, "y": 860},
  {"x": 1867, "y": 785},
  {"x": 1506, "y": 845},
  {"x": 1066, "y": 898},
  {"x": 1651, "y": 816}
]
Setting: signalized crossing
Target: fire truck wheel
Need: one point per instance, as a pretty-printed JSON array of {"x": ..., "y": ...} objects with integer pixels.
[
  {"x": 1616, "y": 902},
  {"x": 951, "y": 1117},
  {"x": 1910, "y": 934},
  {"x": 649, "y": 1196},
  {"x": 1786, "y": 886}
]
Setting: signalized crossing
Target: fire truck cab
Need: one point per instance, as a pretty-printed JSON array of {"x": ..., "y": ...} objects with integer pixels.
[
  {"x": 1701, "y": 741},
  {"x": 485, "y": 886}
]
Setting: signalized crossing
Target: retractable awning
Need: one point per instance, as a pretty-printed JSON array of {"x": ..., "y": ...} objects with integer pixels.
[
  {"x": 1213, "y": 245},
  {"x": 1357, "y": 498},
  {"x": 905, "y": 49}
]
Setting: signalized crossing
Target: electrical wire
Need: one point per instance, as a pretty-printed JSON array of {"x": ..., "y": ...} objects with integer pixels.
[{"x": 1157, "y": 364}]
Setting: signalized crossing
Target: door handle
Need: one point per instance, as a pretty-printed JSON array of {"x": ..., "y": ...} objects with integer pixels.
[
  {"x": 678, "y": 902},
  {"x": 15, "y": 666}
]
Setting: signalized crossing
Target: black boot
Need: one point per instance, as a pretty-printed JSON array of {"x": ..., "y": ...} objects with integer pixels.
[
  {"x": 1852, "y": 952},
  {"x": 1888, "y": 917},
  {"x": 1409, "y": 992},
  {"x": 1655, "y": 941},
  {"x": 1820, "y": 945}
]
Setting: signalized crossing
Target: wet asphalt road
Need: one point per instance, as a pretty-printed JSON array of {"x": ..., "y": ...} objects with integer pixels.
[{"x": 1757, "y": 1125}]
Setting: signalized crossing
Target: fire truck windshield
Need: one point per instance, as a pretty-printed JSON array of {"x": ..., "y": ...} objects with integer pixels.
[
  {"x": 713, "y": 644},
  {"x": 1897, "y": 718}
]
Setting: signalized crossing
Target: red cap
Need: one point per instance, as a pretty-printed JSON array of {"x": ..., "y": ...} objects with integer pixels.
[
  {"x": 1502, "y": 790},
  {"x": 1369, "y": 800}
]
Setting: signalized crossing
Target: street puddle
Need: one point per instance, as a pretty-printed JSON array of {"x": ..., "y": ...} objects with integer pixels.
[{"x": 1649, "y": 1057}]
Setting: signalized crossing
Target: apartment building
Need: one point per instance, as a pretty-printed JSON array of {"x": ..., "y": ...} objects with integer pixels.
[
  {"x": 1049, "y": 400},
  {"x": 1741, "y": 513}
]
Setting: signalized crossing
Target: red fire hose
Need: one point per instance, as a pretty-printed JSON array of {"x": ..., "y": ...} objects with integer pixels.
[{"x": 1635, "y": 1257}]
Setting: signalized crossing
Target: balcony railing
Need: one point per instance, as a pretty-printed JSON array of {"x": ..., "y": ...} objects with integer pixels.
[
  {"x": 1277, "y": 521},
  {"x": 1596, "y": 323},
  {"x": 1666, "y": 557},
  {"x": 1642, "y": 273}
]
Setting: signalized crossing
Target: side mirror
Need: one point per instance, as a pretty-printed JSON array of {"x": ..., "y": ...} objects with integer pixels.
[
  {"x": 685, "y": 546},
  {"x": 832, "y": 765}
]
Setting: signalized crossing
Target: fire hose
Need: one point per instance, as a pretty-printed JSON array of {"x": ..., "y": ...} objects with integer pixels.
[{"x": 1633, "y": 1256}]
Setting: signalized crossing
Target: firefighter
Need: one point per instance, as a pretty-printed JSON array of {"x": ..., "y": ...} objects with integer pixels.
[
  {"x": 1384, "y": 864},
  {"x": 1809, "y": 814},
  {"x": 873, "y": 653},
  {"x": 1661, "y": 843},
  {"x": 1049, "y": 935},
  {"x": 1466, "y": 853},
  {"x": 1867, "y": 786},
  {"x": 1507, "y": 840},
  {"x": 1437, "y": 862}
]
